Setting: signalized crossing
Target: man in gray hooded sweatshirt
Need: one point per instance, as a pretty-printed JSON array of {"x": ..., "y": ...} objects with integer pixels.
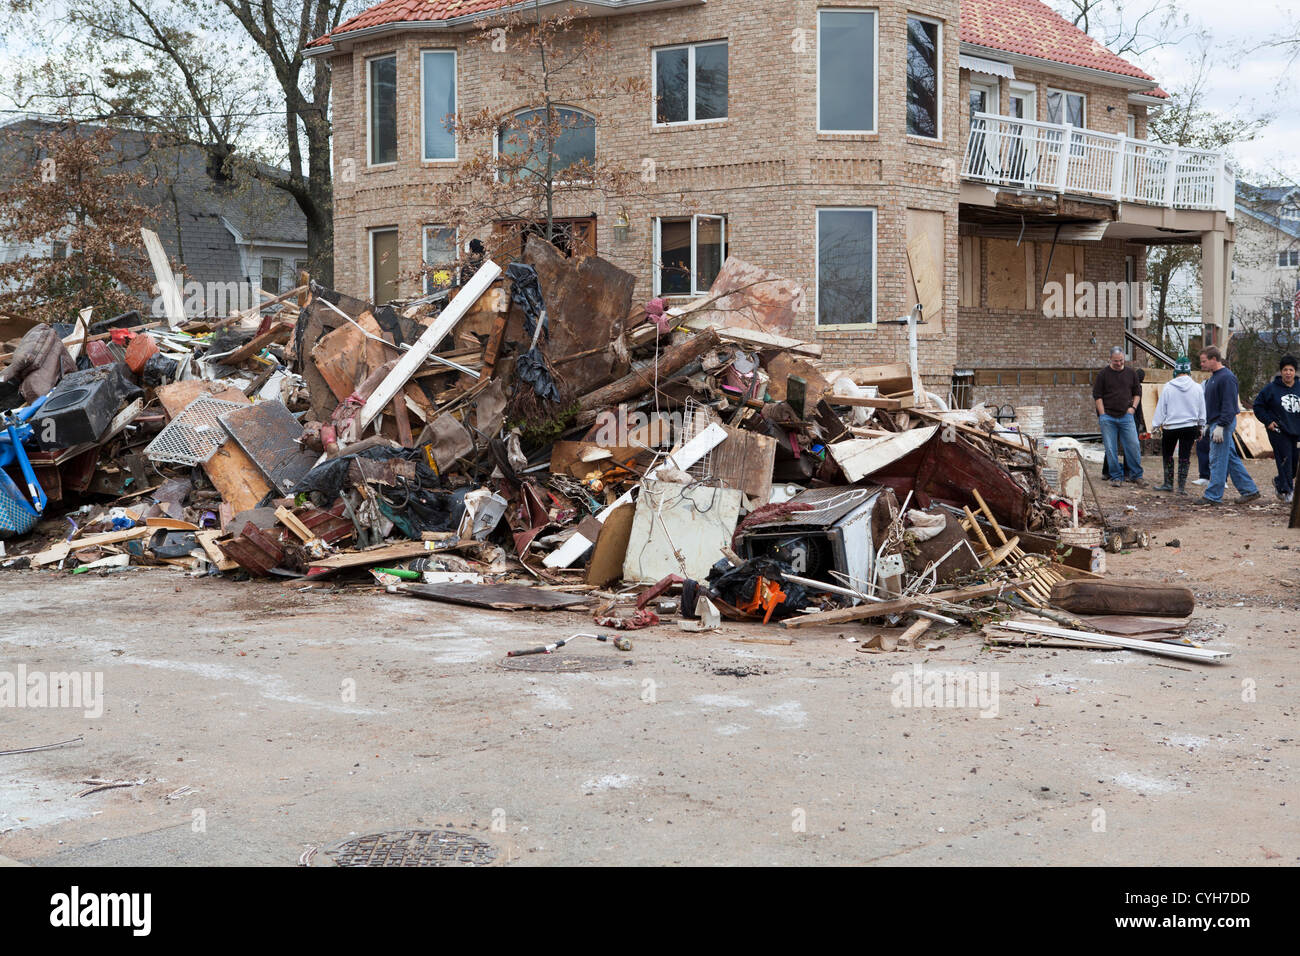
[{"x": 1180, "y": 416}]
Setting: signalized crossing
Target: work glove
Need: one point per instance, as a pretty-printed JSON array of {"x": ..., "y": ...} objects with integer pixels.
[{"x": 1217, "y": 437}]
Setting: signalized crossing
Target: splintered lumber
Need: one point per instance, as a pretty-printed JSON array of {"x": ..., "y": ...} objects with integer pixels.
[
  {"x": 278, "y": 333},
  {"x": 173, "y": 304},
  {"x": 639, "y": 381},
  {"x": 427, "y": 342},
  {"x": 1182, "y": 651},
  {"x": 864, "y": 611},
  {"x": 755, "y": 338},
  {"x": 498, "y": 597},
  {"x": 64, "y": 548},
  {"x": 888, "y": 404}
]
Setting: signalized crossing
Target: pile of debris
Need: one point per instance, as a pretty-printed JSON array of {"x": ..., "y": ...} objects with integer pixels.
[{"x": 531, "y": 439}]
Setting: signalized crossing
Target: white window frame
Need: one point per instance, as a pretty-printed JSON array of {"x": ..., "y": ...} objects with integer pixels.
[
  {"x": 993, "y": 95},
  {"x": 370, "y": 241},
  {"x": 695, "y": 272},
  {"x": 875, "y": 79},
  {"x": 875, "y": 268},
  {"x": 424, "y": 249},
  {"x": 690, "y": 83},
  {"x": 1288, "y": 255},
  {"x": 1065, "y": 105},
  {"x": 1131, "y": 126},
  {"x": 938, "y": 80},
  {"x": 370, "y": 105},
  {"x": 279, "y": 273},
  {"x": 455, "y": 74},
  {"x": 1027, "y": 92}
]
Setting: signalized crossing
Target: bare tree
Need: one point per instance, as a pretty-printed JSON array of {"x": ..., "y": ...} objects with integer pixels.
[
  {"x": 227, "y": 75},
  {"x": 1129, "y": 29},
  {"x": 535, "y": 155}
]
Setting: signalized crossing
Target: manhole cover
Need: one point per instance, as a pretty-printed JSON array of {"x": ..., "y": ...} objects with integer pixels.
[
  {"x": 414, "y": 848},
  {"x": 563, "y": 663}
]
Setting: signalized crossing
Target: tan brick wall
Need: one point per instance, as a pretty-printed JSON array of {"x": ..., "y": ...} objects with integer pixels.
[
  {"x": 1028, "y": 339},
  {"x": 765, "y": 167}
]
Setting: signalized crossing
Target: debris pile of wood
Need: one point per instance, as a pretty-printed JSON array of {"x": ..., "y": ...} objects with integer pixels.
[{"x": 533, "y": 439}]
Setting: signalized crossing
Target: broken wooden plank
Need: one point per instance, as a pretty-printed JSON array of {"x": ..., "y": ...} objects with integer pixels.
[
  {"x": 1181, "y": 651},
  {"x": 499, "y": 597},
  {"x": 58, "y": 552},
  {"x": 427, "y": 342},
  {"x": 361, "y": 559},
  {"x": 902, "y": 605},
  {"x": 173, "y": 304}
]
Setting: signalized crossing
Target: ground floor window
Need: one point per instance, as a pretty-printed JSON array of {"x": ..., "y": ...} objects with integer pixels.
[
  {"x": 383, "y": 265},
  {"x": 440, "y": 250},
  {"x": 689, "y": 253},
  {"x": 573, "y": 237},
  {"x": 846, "y": 266}
]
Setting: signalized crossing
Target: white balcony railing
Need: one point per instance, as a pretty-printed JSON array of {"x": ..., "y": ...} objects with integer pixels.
[{"x": 1025, "y": 154}]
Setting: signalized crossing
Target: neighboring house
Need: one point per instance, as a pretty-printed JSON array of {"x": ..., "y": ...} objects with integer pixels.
[
  {"x": 218, "y": 232},
  {"x": 987, "y": 146},
  {"x": 1266, "y": 261}
]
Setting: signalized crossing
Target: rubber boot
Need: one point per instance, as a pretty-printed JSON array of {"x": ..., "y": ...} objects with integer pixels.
[
  {"x": 1168, "y": 483},
  {"x": 1183, "y": 466}
]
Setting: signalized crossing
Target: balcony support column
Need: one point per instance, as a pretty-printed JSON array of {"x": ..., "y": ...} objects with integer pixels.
[{"x": 1214, "y": 274}]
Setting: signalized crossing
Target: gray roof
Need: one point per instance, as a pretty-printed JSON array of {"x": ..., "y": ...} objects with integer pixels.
[{"x": 191, "y": 203}]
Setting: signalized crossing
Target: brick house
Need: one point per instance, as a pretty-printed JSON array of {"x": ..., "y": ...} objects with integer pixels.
[{"x": 987, "y": 146}]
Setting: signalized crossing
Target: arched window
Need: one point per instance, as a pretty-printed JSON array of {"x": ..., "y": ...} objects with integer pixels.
[{"x": 525, "y": 139}]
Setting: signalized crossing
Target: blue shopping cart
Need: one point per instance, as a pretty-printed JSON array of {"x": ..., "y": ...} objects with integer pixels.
[{"x": 19, "y": 512}]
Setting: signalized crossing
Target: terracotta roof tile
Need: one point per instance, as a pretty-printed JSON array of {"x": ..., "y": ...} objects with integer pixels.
[
  {"x": 1033, "y": 29},
  {"x": 1027, "y": 27},
  {"x": 409, "y": 11}
]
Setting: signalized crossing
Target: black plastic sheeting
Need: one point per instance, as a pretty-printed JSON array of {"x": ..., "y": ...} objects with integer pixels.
[
  {"x": 526, "y": 292},
  {"x": 736, "y": 585},
  {"x": 414, "y": 507}
]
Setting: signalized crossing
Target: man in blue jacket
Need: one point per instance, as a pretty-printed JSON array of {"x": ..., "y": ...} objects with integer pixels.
[
  {"x": 1221, "y": 408},
  {"x": 1278, "y": 409}
]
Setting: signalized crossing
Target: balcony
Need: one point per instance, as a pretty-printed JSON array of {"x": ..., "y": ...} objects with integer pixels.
[{"x": 1047, "y": 157}]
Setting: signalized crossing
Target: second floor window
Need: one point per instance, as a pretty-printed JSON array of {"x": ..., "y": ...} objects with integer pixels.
[
  {"x": 691, "y": 83},
  {"x": 381, "y": 83},
  {"x": 528, "y": 142},
  {"x": 846, "y": 71},
  {"x": 1065, "y": 108},
  {"x": 1288, "y": 258},
  {"x": 923, "y": 83},
  {"x": 438, "y": 92}
]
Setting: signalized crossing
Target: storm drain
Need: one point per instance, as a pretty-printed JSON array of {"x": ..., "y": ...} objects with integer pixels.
[
  {"x": 414, "y": 848},
  {"x": 563, "y": 663}
]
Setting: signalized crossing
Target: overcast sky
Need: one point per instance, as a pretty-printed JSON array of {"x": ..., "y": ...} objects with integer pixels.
[{"x": 1246, "y": 82}]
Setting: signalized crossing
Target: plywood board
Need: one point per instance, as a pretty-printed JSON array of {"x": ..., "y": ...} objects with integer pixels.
[
  {"x": 925, "y": 266},
  {"x": 607, "y": 556},
  {"x": 345, "y": 356},
  {"x": 860, "y": 457},
  {"x": 269, "y": 434},
  {"x": 1006, "y": 274},
  {"x": 745, "y": 461},
  {"x": 238, "y": 481},
  {"x": 1253, "y": 436},
  {"x": 501, "y": 597}
]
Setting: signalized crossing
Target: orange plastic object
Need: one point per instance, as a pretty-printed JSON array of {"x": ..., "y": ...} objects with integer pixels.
[{"x": 141, "y": 349}]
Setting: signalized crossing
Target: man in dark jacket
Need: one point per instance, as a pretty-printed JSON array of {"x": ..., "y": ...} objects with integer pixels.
[
  {"x": 1117, "y": 393},
  {"x": 1277, "y": 407},
  {"x": 1221, "y": 408}
]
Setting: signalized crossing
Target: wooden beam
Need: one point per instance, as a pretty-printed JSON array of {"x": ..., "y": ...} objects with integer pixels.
[
  {"x": 864, "y": 611},
  {"x": 426, "y": 343}
]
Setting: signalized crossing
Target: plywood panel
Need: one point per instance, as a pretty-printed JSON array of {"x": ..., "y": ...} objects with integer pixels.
[
  {"x": 925, "y": 266},
  {"x": 1006, "y": 274}
]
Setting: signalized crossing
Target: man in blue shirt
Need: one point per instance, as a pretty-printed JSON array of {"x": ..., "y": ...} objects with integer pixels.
[{"x": 1221, "y": 408}]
